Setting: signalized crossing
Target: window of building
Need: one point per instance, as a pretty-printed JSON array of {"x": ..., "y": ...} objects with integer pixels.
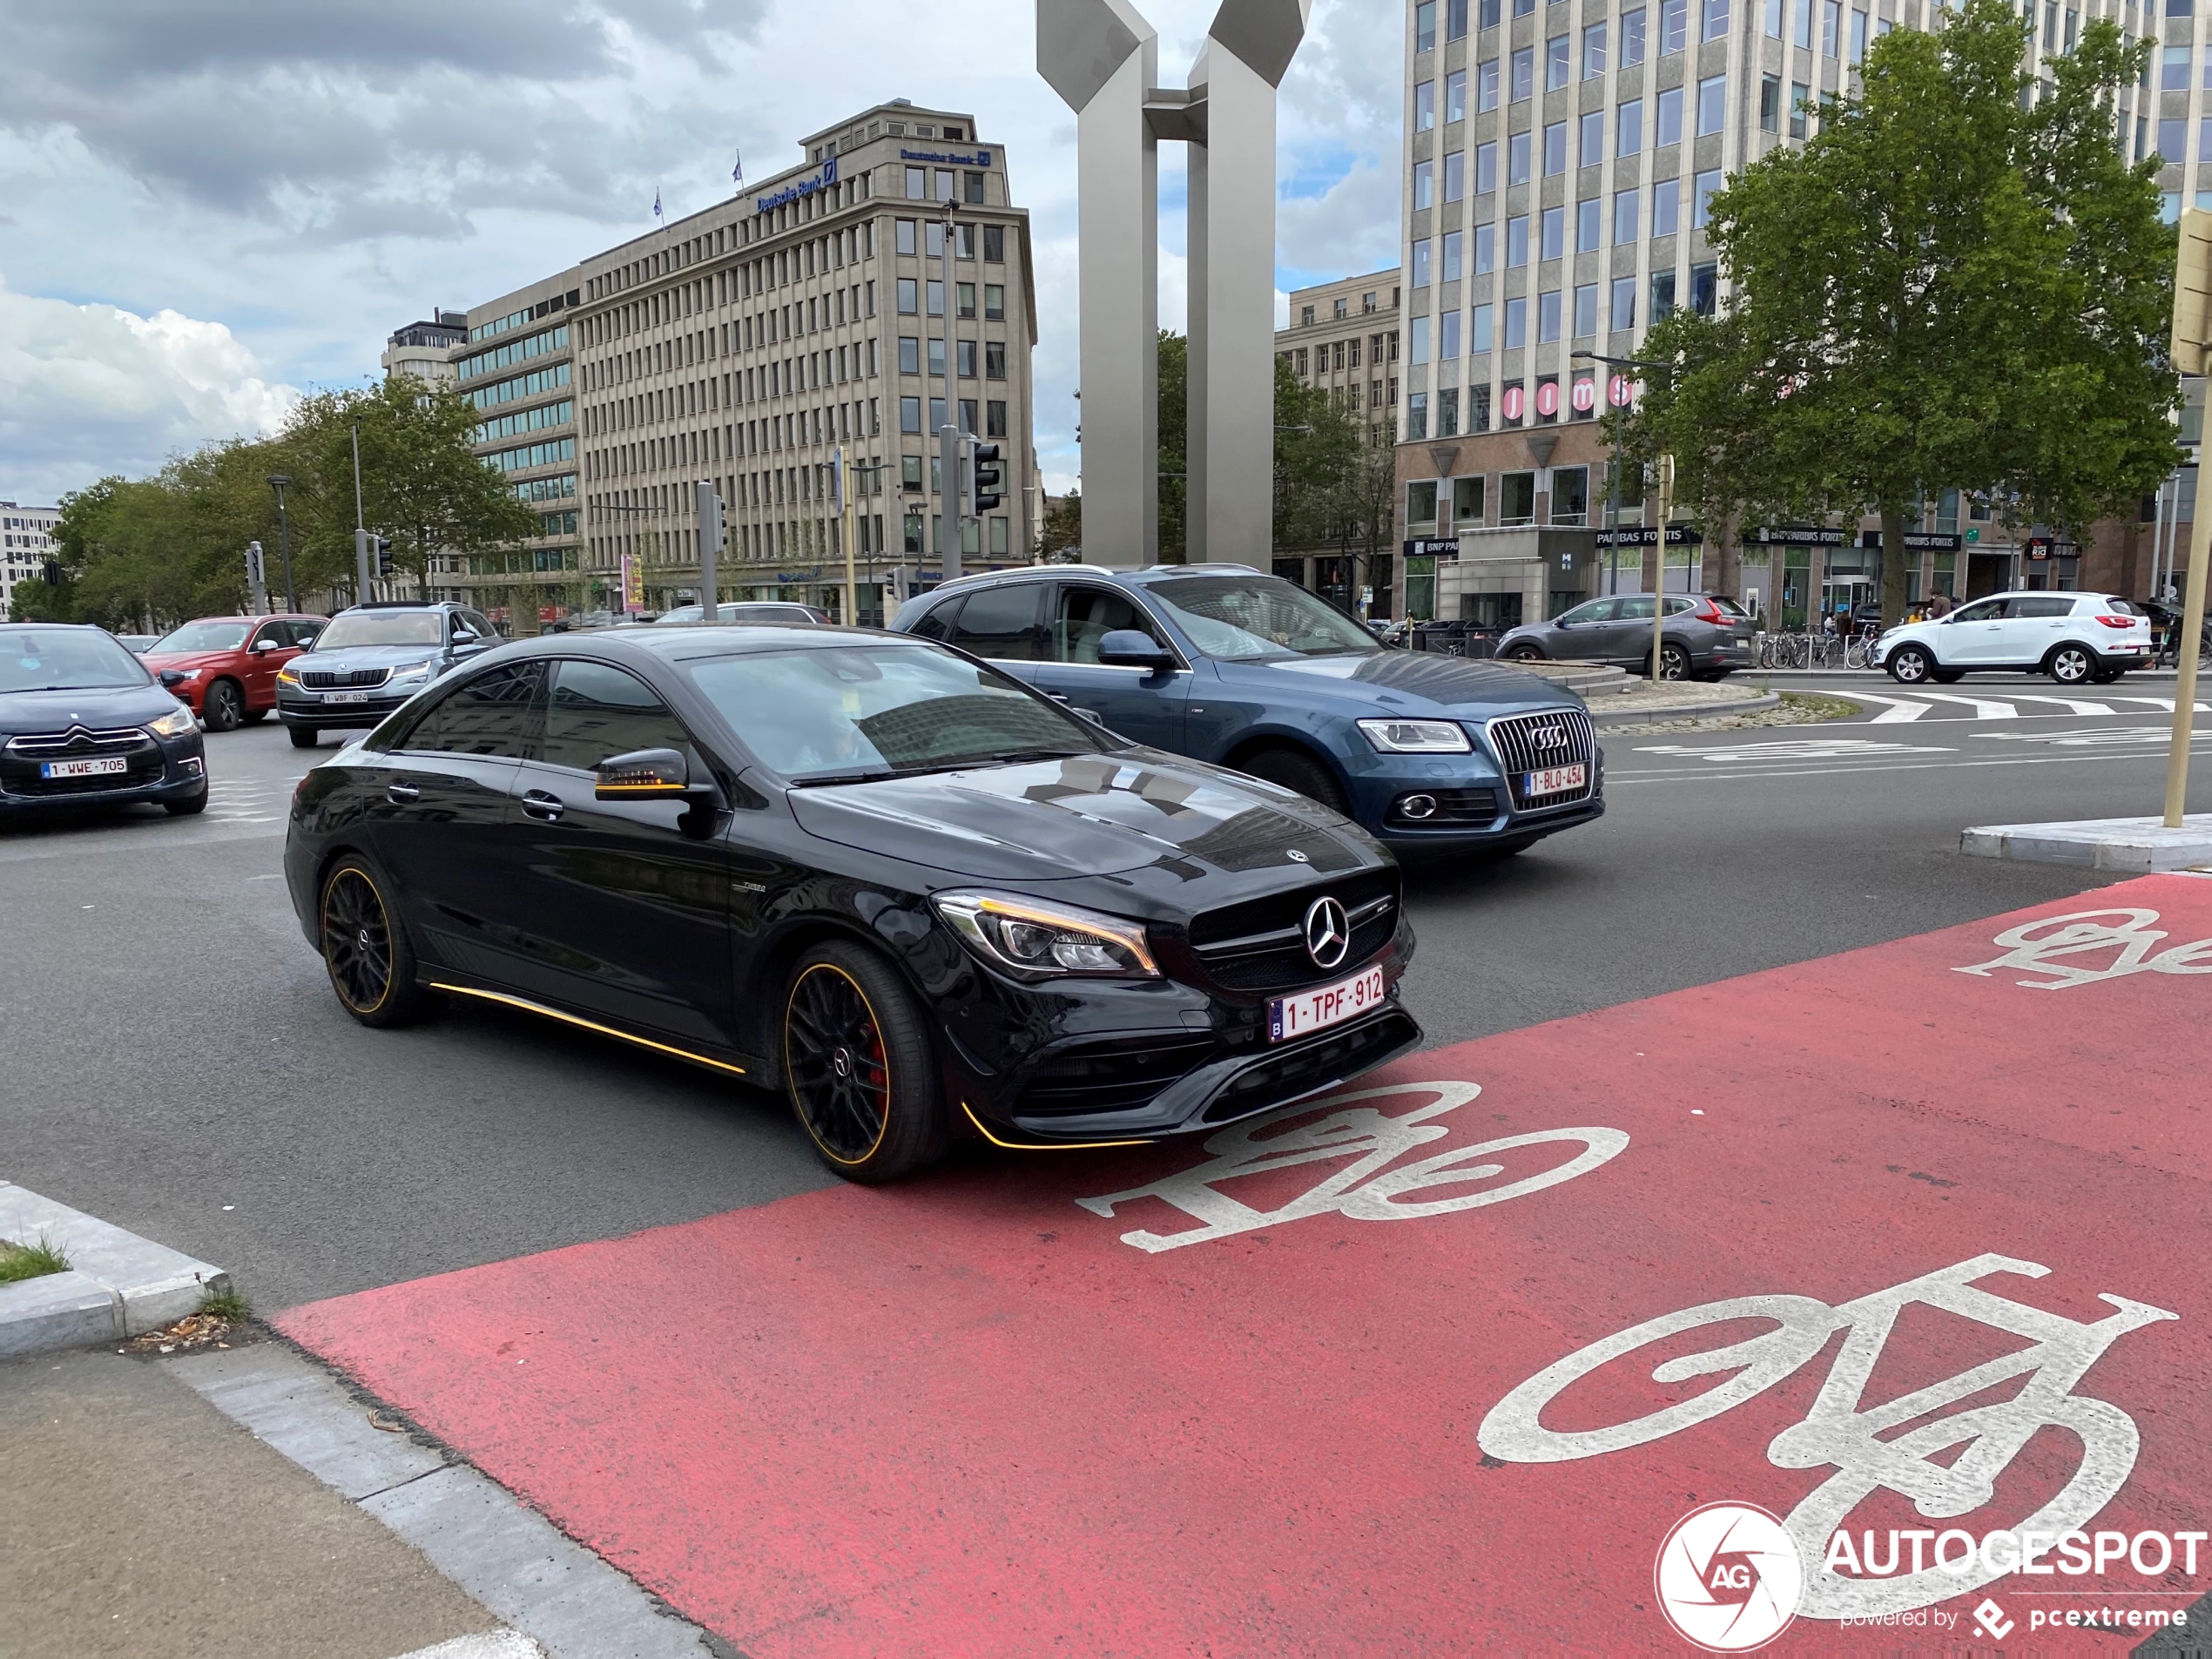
[
  {"x": 994, "y": 359},
  {"x": 909, "y": 414},
  {"x": 1858, "y": 37},
  {"x": 910, "y": 354},
  {"x": 1559, "y": 63},
  {"x": 1624, "y": 305},
  {"x": 1448, "y": 336},
  {"x": 1455, "y": 20},
  {"x": 1448, "y": 410},
  {"x": 1665, "y": 204},
  {"x": 1517, "y": 157},
  {"x": 2173, "y": 141},
  {"x": 1627, "y": 129},
  {"x": 1425, "y": 26},
  {"x": 1555, "y": 149},
  {"x": 1486, "y": 85},
  {"x": 1455, "y": 96},
  {"x": 1627, "y": 215},
  {"x": 917, "y": 183},
  {"x": 1800, "y": 94},
  {"x": 1713, "y": 20},
  {"x": 1417, "y": 427},
  {"x": 1774, "y": 18},
  {"x": 1594, "y": 51},
  {"x": 1424, "y": 107},
  {"x": 994, "y": 302},
  {"x": 1552, "y": 232},
  {"x": 1670, "y": 117},
  {"x": 1516, "y": 498},
  {"x": 1454, "y": 241},
  {"x": 1305, "y": 316},
  {"x": 1712, "y": 103},
  {"x": 1832, "y": 23},
  {"x": 944, "y": 182},
  {"x": 1424, "y": 184},
  {"x": 1516, "y": 323},
  {"x": 909, "y": 297},
  {"x": 1704, "y": 289},
  {"x": 1701, "y": 206},
  {"x": 972, "y": 187},
  {"x": 1769, "y": 103},
  {"x": 1517, "y": 240},
  {"x": 1589, "y": 224},
  {"x": 1524, "y": 74},
  {"x": 1486, "y": 168},
  {"x": 1486, "y": 249},
  {"x": 994, "y": 245},
  {"x": 1632, "y": 38},
  {"x": 1455, "y": 176},
  {"x": 966, "y": 359},
  {"x": 1803, "y": 26},
  {"x": 1548, "y": 318},
  {"x": 1662, "y": 295},
  {"x": 1478, "y": 322},
  {"x": 1420, "y": 262},
  {"x": 1592, "y": 147},
  {"x": 1674, "y": 26}
]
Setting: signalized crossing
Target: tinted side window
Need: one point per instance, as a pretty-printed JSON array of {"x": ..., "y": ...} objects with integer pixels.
[
  {"x": 496, "y": 714},
  {"x": 595, "y": 712},
  {"x": 1001, "y": 623},
  {"x": 1635, "y": 609},
  {"x": 1596, "y": 611},
  {"x": 1986, "y": 610},
  {"x": 483, "y": 629},
  {"x": 938, "y": 624},
  {"x": 275, "y": 633},
  {"x": 2059, "y": 605},
  {"x": 1085, "y": 616}
]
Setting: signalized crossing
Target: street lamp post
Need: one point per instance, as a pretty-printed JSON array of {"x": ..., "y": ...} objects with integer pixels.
[
  {"x": 277, "y": 482},
  {"x": 1666, "y": 511}
]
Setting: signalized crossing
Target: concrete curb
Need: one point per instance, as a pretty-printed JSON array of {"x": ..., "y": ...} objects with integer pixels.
[
  {"x": 2139, "y": 845},
  {"x": 560, "y": 1596},
  {"x": 1603, "y": 717},
  {"x": 118, "y": 1284}
]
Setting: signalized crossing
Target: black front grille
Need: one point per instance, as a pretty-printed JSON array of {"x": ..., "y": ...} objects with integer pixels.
[
  {"x": 1260, "y": 945},
  {"x": 20, "y": 762},
  {"x": 1530, "y": 742},
  {"x": 1455, "y": 807},
  {"x": 1313, "y": 1064},
  {"x": 351, "y": 680},
  {"x": 1109, "y": 1076}
]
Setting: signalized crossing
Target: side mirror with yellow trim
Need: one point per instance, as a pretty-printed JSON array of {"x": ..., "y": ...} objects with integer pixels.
[{"x": 649, "y": 775}]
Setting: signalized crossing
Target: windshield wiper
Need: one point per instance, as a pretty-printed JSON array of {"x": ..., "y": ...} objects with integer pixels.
[{"x": 859, "y": 775}]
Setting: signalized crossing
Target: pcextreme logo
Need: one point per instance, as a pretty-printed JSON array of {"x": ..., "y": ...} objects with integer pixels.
[{"x": 1728, "y": 1577}]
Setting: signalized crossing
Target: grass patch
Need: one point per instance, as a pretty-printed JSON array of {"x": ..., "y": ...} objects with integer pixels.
[
  {"x": 228, "y": 1305},
  {"x": 19, "y": 1262},
  {"x": 1811, "y": 705}
]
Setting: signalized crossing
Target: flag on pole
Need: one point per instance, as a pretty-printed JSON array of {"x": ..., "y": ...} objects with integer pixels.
[
  {"x": 657, "y": 211},
  {"x": 737, "y": 173}
]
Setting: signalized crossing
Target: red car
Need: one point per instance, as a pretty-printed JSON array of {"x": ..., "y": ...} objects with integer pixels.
[{"x": 229, "y": 663}]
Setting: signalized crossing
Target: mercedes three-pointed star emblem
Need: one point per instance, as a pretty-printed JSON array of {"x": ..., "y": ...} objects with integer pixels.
[{"x": 1328, "y": 932}]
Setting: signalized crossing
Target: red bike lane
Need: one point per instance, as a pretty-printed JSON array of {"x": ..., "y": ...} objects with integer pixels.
[{"x": 1345, "y": 1382}]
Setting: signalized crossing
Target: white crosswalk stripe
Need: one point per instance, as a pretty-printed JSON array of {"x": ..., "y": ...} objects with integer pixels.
[
  {"x": 1984, "y": 708},
  {"x": 2000, "y": 705},
  {"x": 1899, "y": 709}
]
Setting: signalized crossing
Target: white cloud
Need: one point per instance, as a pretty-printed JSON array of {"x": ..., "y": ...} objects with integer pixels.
[{"x": 88, "y": 389}]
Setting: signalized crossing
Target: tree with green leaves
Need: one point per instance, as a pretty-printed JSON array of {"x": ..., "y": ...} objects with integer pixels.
[{"x": 1957, "y": 282}]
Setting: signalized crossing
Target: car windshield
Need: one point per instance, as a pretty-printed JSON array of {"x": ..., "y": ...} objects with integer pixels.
[
  {"x": 1247, "y": 618},
  {"x": 35, "y": 659},
  {"x": 875, "y": 711},
  {"x": 205, "y": 636},
  {"x": 383, "y": 628}
]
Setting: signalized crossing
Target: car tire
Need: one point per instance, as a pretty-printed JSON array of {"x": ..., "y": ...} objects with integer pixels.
[
  {"x": 2071, "y": 664},
  {"x": 1293, "y": 769},
  {"x": 859, "y": 1068},
  {"x": 186, "y": 807},
  {"x": 1910, "y": 664},
  {"x": 303, "y": 736},
  {"x": 365, "y": 948},
  {"x": 1525, "y": 654},
  {"x": 223, "y": 707},
  {"x": 254, "y": 717},
  {"x": 1674, "y": 662}
]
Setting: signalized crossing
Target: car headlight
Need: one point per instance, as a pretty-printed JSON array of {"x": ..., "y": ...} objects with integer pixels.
[
  {"x": 419, "y": 674},
  {"x": 186, "y": 675},
  {"x": 1416, "y": 737},
  {"x": 1032, "y": 941},
  {"x": 287, "y": 675},
  {"x": 174, "y": 723}
]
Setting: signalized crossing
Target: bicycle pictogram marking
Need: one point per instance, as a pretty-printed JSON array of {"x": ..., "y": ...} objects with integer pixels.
[
  {"x": 2089, "y": 947},
  {"x": 1837, "y": 1434},
  {"x": 1368, "y": 1187}
]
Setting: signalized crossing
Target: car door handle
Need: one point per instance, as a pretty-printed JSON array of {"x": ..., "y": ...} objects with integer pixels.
[
  {"x": 544, "y": 807},
  {"x": 402, "y": 794}
]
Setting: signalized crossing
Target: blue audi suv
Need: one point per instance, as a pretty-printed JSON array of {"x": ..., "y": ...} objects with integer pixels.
[{"x": 1226, "y": 665}]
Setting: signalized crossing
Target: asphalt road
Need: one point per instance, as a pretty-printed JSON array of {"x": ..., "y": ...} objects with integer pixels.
[{"x": 175, "y": 1062}]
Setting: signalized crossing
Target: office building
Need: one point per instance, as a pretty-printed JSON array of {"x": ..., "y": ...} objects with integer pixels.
[
  {"x": 746, "y": 344},
  {"x": 26, "y": 542},
  {"x": 1342, "y": 337},
  {"x": 1559, "y": 155},
  {"x": 425, "y": 349}
]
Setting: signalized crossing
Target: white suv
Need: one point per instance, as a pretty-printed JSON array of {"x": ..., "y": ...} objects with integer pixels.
[{"x": 2076, "y": 639}]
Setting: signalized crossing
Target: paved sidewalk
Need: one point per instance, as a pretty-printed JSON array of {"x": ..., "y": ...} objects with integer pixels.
[{"x": 138, "y": 1520}]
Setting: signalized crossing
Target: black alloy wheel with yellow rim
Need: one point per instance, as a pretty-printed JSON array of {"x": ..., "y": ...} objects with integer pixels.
[
  {"x": 858, "y": 1066},
  {"x": 364, "y": 948}
]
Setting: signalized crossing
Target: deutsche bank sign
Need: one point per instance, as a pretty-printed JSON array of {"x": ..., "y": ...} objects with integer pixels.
[{"x": 792, "y": 192}]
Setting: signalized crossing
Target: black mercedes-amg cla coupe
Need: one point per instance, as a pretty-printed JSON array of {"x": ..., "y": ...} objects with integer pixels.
[{"x": 921, "y": 897}]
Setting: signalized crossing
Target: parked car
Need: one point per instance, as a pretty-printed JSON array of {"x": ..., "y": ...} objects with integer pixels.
[
  {"x": 138, "y": 645},
  {"x": 84, "y": 723},
  {"x": 2166, "y": 621},
  {"x": 922, "y": 898},
  {"x": 1707, "y": 637},
  {"x": 373, "y": 657},
  {"x": 227, "y": 666},
  {"x": 1229, "y": 666},
  {"x": 747, "y": 610},
  {"x": 2076, "y": 639}
]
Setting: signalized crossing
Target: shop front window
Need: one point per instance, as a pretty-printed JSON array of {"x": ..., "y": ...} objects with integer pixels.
[{"x": 1420, "y": 588}]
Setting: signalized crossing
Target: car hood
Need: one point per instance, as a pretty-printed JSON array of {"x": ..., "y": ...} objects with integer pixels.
[
  {"x": 345, "y": 657},
  {"x": 58, "y": 711},
  {"x": 1400, "y": 682},
  {"x": 188, "y": 659},
  {"x": 1091, "y": 815}
]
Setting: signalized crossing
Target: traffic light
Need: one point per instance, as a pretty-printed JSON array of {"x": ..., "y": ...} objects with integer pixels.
[
  {"x": 986, "y": 479},
  {"x": 52, "y": 571},
  {"x": 381, "y": 548}
]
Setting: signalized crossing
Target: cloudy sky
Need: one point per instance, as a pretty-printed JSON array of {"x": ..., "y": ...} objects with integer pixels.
[{"x": 209, "y": 205}]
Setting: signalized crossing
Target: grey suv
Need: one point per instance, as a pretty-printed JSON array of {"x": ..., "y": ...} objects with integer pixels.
[
  {"x": 370, "y": 660},
  {"x": 1706, "y": 637}
]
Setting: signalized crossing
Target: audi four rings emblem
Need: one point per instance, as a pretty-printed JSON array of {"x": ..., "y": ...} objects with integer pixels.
[
  {"x": 1548, "y": 737},
  {"x": 1328, "y": 932}
]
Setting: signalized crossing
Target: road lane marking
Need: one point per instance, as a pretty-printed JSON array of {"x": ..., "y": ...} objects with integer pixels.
[
  {"x": 2119, "y": 940},
  {"x": 2088, "y": 737},
  {"x": 1690, "y": 775},
  {"x": 2072, "y": 704},
  {"x": 1795, "y": 749},
  {"x": 1900, "y": 708},
  {"x": 1983, "y": 709}
]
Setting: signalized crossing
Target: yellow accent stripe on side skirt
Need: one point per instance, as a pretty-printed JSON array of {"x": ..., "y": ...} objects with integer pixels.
[
  {"x": 588, "y": 1025},
  {"x": 1047, "y": 1146}
]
